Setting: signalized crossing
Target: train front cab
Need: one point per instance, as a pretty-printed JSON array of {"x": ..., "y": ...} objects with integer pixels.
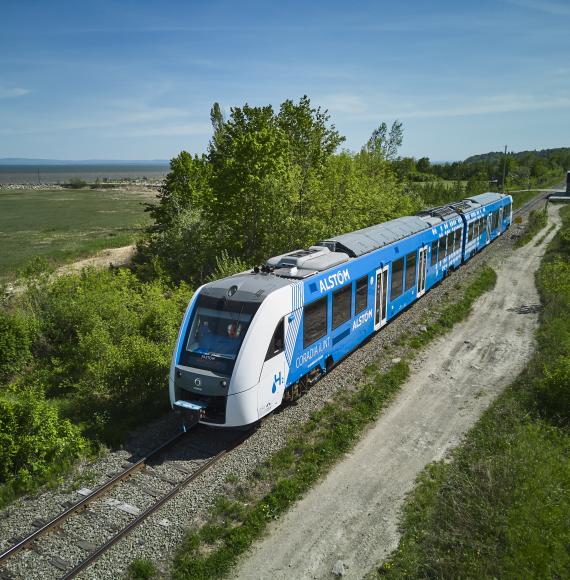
[{"x": 228, "y": 368}]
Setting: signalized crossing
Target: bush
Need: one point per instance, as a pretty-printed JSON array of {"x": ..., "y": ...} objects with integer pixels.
[
  {"x": 105, "y": 346},
  {"x": 17, "y": 332},
  {"x": 77, "y": 183},
  {"x": 35, "y": 443},
  {"x": 227, "y": 266}
]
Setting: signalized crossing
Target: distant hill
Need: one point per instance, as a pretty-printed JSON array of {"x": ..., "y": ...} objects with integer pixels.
[
  {"x": 26, "y": 161},
  {"x": 496, "y": 156}
]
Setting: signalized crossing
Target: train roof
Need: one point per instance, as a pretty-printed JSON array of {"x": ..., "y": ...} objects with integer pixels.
[
  {"x": 485, "y": 198},
  {"x": 244, "y": 287},
  {"x": 476, "y": 201},
  {"x": 374, "y": 237},
  {"x": 435, "y": 215}
]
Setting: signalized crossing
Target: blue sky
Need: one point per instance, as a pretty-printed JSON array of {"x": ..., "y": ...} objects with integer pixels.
[{"x": 136, "y": 79}]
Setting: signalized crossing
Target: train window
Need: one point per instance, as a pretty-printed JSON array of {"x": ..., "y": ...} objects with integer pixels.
[
  {"x": 450, "y": 249},
  {"x": 341, "y": 305},
  {"x": 410, "y": 270},
  {"x": 457, "y": 244},
  {"x": 470, "y": 232},
  {"x": 277, "y": 343},
  {"x": 314, "y": 321},
  {"x": 442, "y": 252},
  {"x": 215, "y": 333},
  {"x": 361, "y": 294},
  {"x": 433, "y": 253},
  {"x": 397, "y": 284}
]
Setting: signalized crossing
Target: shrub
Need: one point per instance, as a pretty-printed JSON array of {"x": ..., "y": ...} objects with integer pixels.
[
  {"x": 35, "y": 443},
  {"x": 17, "y": 332},
  {"x": 77, "y": 183},
  {"x": 105, "y": 345},
  {"x": 227, "y": 266}
]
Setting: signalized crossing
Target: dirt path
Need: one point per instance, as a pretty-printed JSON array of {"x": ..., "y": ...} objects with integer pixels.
[
  {"x": 349, "y": 521},
  {"x": 113, "y": 256}
]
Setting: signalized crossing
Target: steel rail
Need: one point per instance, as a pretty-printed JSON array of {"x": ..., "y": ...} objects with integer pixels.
[
  {"x": 532, "y": 202},
  {"x": 82, "y": 503},
  {"x": 96, "y": 554}
]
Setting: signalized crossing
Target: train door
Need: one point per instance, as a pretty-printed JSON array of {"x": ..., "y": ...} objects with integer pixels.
[
  {"x": 273, "y": 374},
  {"x": 422, "y": 271},
  {"x": 381, "y": 298},
  {"x": 488, "y": 228},
  {"x": 500, "y": 219}
]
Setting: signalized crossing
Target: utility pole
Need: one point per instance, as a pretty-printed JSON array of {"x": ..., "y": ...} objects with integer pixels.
[{"x": 504, "y": 170}]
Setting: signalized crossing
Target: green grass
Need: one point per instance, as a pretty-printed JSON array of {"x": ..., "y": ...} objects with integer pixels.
[
  {"x": 62, "y": 225},
  {"x": 501, "y": 507},
  {"x": 141, "y": 569},
  {"x": 242, "y": 515},
  {"x": 537, "y": 220}
]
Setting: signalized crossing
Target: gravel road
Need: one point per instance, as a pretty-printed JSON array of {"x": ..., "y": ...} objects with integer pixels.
[{"x": 349, "y": 522}]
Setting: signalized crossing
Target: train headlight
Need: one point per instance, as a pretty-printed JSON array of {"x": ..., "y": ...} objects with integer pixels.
[{"x": 224, "y": 383}]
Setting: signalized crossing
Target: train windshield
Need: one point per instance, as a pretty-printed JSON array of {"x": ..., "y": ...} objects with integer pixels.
[{"x": 215, "y": 334}]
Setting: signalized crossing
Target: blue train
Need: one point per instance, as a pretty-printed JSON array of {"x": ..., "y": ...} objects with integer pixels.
[{"x": 251, "y": 341}]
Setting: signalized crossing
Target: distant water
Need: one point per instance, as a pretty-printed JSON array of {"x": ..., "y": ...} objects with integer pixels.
[{"x": 63, "y": 173}]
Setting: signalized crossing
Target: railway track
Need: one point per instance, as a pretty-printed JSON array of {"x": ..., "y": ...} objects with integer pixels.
[
  {"x": 534, "y": 202},
  {"x": 89, "y": 526}
]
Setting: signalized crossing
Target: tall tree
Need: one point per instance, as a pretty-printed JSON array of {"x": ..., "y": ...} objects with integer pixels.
[
  {"x": 386, "y": 143},
  {"x": 252, "y": 150},
  {"x": 187, "y": 185}
]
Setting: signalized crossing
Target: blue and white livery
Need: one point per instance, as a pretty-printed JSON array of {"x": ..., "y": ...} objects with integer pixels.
[{"x": 253, "y": 340}]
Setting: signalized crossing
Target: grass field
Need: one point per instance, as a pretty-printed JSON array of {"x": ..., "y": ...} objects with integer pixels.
[{"x": 61, "y": 225}]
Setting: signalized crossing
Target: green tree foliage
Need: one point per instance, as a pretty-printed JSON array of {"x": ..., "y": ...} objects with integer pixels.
[
  {"x": 104, "y": 346},
  {"x": 423, "y": 165},
  {"x": 187, "y": 186},
  {"x": 386, "y": 143},
  {"x": 252, "y": 151},
  {"x": 34, "y": 441},
  {"x": 271, "y": 181},
  {"x": 525, "y": 168},
  {"x": 17, "y": 332}
]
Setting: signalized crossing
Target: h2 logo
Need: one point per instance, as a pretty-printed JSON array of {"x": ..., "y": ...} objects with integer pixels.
[{"x": 277, "y": 380}]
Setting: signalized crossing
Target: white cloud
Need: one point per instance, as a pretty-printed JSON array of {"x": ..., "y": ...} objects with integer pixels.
[
  {"x": 344, "y": 103},
  {"x": 543, "y": 6},
  {"x": 487, "y": 105},
  {"x": 169, "y": 130},
  {"x": 12, "y": 93}
]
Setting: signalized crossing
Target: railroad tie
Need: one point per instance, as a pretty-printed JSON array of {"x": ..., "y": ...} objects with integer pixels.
[
  {"x": 59, "y": 563},
  {"x": 86, "y": 545}
]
